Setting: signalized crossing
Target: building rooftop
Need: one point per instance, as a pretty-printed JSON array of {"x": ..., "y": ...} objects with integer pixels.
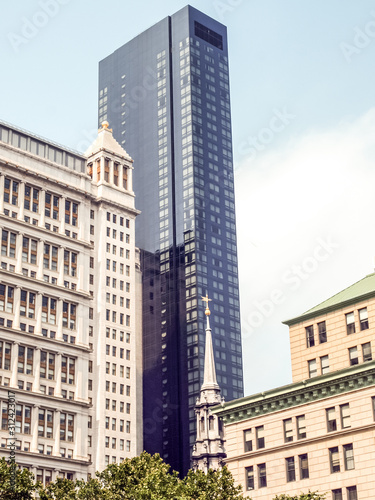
[
  {"x": 298, "y": 393},
  {"x": 106, "y": 142},
  {"x": 361, "y": 290}
]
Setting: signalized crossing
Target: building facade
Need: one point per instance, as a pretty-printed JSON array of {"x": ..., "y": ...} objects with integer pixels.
[
  {"x": 318, "y": 432},
  {"x": 66, "y": 326},
  {"x": 172, "y": 84}
]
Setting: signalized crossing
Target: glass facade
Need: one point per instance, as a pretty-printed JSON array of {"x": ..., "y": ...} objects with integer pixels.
[{"x": 166, "y": 96}]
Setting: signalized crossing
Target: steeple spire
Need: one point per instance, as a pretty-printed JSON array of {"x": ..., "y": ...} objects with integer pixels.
[
  {"x": 209, "y": 377},
  {"x": 208, "y": 452}
]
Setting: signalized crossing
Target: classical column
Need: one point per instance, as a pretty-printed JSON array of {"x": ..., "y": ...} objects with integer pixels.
[
  {"x": 60, "y": 279},
  {"x": 38, "y": 313},
  {"x": 56, "y": 433},
  {"x": 34, "y": 429},
  {"x": 42, "y": 207},
  {"x": 14, "y": 365},
  {"x": 36, "y": 384},
  {"x": 39, "y": 273},
  {"x": 58, "y": 375},
  {"x": 62, "y": 214},
  {"x": 111, "y": 172},
  {"x": 21, "y": 198},
  {"x": 1, "y": 193},
  {"x": 19, "y": 253},
  {"x": 16, "y": 309},
  {"x": 130, "y": 178},
  {"x": 59, "y": 318}
]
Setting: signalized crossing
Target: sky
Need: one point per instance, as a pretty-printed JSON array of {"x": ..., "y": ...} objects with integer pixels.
[{"x": 303, "y": 117}]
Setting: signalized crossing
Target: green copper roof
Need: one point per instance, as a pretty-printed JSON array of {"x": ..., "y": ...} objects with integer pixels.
[{"x": 361, "y": 290}]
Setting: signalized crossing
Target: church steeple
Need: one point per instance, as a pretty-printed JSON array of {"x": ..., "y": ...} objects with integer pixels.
[
  {"x": 209, "y": 374},
  {"x": 208, "y": 451}
]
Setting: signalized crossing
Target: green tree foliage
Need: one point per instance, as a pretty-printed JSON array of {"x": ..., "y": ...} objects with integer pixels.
[
  {"x": 215, "y": 485},
  {"x": 140, "y": 478},
  {"x": 311, "y": 495},
  {"x": 15, "y": 484}
]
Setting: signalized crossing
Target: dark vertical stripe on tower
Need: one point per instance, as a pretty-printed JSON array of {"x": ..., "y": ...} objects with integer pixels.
[{"x": 175, "y": 255}]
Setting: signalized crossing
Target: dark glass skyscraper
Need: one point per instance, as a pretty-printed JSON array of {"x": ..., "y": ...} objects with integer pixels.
[{"x": 166, "y": 95}]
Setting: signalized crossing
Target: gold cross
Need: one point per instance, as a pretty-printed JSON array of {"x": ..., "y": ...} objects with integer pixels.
[{"x": 206, "y": 299}]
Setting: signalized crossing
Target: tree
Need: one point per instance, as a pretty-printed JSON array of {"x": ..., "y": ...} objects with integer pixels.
[
  {"x": 16, "y": 484},
  {"x": 141, "y": 478},
  {"x": 65, "y": 489},
  {"x": 311, "y": 495},
  {"x": 215, "y": 485}
]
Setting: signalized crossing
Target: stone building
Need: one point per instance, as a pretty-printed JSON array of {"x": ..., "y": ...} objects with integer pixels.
[
  {"x": 318, "y": 432},
  {"x": 70, "y": 352}
]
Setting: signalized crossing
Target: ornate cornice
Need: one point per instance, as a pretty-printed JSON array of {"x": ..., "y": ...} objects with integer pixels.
[{"x": 308, "y": 391}]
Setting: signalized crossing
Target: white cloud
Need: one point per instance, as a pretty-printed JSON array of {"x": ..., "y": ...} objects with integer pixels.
[{"x": 318, "y": 187}]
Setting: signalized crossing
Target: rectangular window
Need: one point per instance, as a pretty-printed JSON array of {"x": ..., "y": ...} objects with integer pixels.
[
  {"x": 51, "y": 206},
  {"x": 29, "y": 250},
  {"x": 313, "y": 372},
  {"x": 353, "y": 356},
  {"x": 322, "y": 332},
  {"x": 31, "y": 199},
  {"x": 348, "y": 456},
  {"x": 260, "y": 436},
  {"x": 23, "y": 419},
  {"x": 27, "y": 304},
  {"x": 69, "y": 315},
  {"x": 249, "y": 478},
  {"x": 350, "y": 324},
  {"x": 8, "y": 244},
  {"x": 337, "y": 494},
  {"x": 334, "y": 459},
  {"x": 310, "y": 340},
  {"x": 6, "y": 298},
  {"x": 303, "y": 466},
  {"x": 301, "y": 427},
  {"x": 288, "y": 430},
  {"x": 50, "y": 257},
  {"x": 324, "y": 364},
  {"x": 11, "y": 191},
  {"x": 351, "y": 493},
  {"x": 366, "y": 352},
  {"x": 262, "y": 475},
  {"x": 49, "y": 310},
  {"x": 5, "y": 355},
  {"x": 66, "y": 427},
  {"x": 290, "y": 469},
  {"x": 70, "y": 263},
  {"x": 71, "y": 213},
  {"x": 363, "y": 318},
  {"x": 247, "y": 438},
  {"x": 345, "y": 416},
  {"x": 331, "y": 419}
]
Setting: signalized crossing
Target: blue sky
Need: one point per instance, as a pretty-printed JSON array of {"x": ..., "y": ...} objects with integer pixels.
[{"x": 302, "y": 91}]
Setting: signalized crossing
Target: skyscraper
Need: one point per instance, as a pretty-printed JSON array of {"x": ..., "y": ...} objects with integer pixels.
[{"x": 166, "y": 95}]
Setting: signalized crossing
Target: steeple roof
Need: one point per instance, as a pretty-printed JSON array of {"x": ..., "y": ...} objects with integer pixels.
[
  {"x": 106, "y": 142},
  {"x": 209, "y": 377}
]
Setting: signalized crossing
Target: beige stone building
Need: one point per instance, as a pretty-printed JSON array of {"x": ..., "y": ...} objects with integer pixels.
[
  {"x": 317, "y": 433},
  {"x": 70, "y": 348}
]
